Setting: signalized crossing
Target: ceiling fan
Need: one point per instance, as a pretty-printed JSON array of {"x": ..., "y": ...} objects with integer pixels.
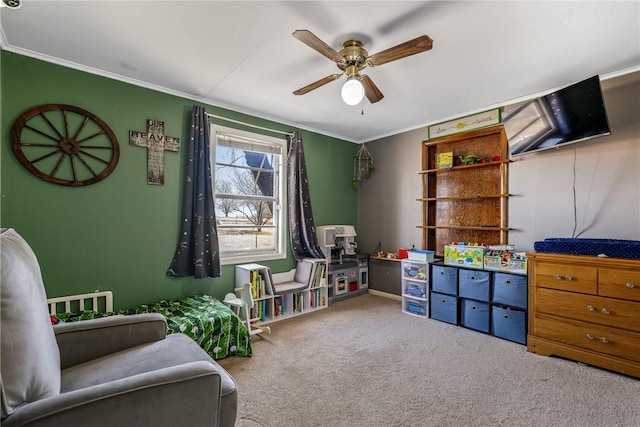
[{"x": 352, "y": 59}]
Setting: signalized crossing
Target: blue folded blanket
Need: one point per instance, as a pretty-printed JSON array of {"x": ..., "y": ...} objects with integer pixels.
[{"x": 613, "y": 248}]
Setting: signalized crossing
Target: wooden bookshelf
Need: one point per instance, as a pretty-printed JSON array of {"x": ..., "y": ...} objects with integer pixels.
[{"x": 465, "y": 202}]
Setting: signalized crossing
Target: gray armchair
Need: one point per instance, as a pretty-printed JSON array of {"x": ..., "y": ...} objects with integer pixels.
[{"x": 113, "y": 371}]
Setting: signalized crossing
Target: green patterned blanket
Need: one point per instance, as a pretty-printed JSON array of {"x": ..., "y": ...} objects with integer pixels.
[{"x": 205, "y": 319}]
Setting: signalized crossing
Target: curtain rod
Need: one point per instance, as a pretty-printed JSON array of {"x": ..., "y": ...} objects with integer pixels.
[{"x": 249, "y": 124}]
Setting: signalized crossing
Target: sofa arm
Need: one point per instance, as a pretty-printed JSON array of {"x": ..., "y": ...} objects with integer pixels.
[
  {"x": 89, "y": 339},
  {"x": 187, "y": 394}
]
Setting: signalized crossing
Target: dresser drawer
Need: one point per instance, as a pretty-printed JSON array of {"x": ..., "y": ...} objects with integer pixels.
[
  {"x": 590, "y": 308},
  {"x": 619, "y": 283},
  {"x": 567, "y": 277},
  {"x": 602, "y": 339}
]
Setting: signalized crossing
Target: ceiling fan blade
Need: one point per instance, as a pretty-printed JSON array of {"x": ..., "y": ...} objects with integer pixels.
[
  {"x": 371, "y": 91},
  {"x": 311, "y": 40},
  {"x": 316, "y": 85},
  {"x": 411, "y": 47}
]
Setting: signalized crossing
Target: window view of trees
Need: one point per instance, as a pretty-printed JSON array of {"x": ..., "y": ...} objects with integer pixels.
[{"x": 246, "y": 198}]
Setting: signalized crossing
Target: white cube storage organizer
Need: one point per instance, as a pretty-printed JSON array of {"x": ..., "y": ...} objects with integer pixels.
[
  {"x": 415, "y": 287},
  {"x": 415, "y": 306}
]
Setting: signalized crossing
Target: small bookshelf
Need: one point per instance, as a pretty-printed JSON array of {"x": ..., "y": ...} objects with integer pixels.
[{"x": 269, "y": 306}]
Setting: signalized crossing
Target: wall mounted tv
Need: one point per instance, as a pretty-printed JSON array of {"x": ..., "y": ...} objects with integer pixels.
[{"x": 572, "y": 114}]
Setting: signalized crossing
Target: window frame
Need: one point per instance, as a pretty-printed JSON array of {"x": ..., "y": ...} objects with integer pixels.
[{"x": 279, "y": 150}]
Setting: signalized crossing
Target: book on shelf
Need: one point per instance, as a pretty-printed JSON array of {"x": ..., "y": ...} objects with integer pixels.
[
  {"x": 318, "y": 266},
  {"x": 444, "y": 160},
  {"x": 277, "y": 307},
  {"x": 260, "y": 281},
  {"x": 297, "y": 302}
]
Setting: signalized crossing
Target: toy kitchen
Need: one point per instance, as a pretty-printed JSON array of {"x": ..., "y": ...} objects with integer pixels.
[{"x": 348, "y": 273}]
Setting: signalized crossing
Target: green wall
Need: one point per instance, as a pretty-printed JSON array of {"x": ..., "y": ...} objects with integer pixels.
[{"x": 120, "y": 234}]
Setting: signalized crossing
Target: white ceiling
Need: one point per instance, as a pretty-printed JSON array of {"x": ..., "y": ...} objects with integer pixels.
[{"x": 241, "y": 54}]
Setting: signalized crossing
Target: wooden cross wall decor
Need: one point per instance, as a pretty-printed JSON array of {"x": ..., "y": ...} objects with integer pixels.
[{"x": 157, "y": 143}]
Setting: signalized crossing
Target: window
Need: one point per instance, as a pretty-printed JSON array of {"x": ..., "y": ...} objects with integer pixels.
[
  {"x": 249, "y": 194},
  {"x": 527, "y": 124}
]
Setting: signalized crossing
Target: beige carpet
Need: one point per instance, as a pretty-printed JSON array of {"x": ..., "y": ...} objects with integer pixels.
[{"x": 362, "y": 362}]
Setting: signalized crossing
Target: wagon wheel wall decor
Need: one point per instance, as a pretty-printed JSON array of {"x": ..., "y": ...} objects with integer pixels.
[{"x": 65, "y": 145}]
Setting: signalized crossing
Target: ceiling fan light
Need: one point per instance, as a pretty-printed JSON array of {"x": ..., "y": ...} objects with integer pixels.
[{"x": 352, "y": 91}]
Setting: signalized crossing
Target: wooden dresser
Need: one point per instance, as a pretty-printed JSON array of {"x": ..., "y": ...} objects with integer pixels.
[{"x": 586, "y": 309}]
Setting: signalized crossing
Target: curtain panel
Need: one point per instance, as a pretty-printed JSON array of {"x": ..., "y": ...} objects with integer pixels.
[
  {"x": 198, "y": 252},
  {"x": 304, "y": 241}
]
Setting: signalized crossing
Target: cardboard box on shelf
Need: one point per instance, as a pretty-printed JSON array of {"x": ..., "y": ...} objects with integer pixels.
[
  {"x": 506, "y": 261},
  {"x": 464, "y": 256},
  {"x": 444, "y": 160}
]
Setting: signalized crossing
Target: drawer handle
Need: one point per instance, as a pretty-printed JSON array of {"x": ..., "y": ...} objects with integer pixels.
[
  {"x": 605, "y": 311},
  {"x": 559, "y": 277},
  {"x": 591, "y": 308},
  {"x": 601, "y": 339},
  {"x": 631, "y": 285}
]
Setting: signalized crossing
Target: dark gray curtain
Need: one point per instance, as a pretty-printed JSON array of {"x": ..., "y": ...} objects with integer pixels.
[
  {"x": 304, "y": 241},
  {"x": 198, "y": 252}
]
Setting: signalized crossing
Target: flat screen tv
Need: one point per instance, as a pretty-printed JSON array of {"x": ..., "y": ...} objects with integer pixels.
[{"x": 572, "y": 114}]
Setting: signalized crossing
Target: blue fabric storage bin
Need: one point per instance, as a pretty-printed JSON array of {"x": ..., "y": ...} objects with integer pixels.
[
  {"x": 509, "y": 324},
  {"x": 444, "y": 308},
  {"x": 474, "y": 315},
  {"x": 444, "y": 279},
  {"x": 474, "y": 284},
  {"x": 510, "y": 289}
]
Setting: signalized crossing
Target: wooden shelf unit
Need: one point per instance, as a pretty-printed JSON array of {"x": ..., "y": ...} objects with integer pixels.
[{"x": 465, "y": 202}]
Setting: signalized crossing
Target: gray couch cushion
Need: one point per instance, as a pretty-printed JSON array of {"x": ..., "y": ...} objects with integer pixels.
[
  {"x": 175, "y": 349},
  {"x": 300, "y": 279},
  {"x": 28, "y": 350},
  {"x": 303, "y": 272}
]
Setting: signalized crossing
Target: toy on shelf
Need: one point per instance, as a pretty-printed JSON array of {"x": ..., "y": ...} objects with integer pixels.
[
  {"x": 415, "y": 271},
  {"x": 469, "y": 159},
  {"x": 464, "y": 255}
]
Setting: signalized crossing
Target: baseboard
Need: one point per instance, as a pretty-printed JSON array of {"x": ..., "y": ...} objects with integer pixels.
[{"x": 384, "y": 294}]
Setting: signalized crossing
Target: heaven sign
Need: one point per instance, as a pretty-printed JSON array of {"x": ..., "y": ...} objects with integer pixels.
[{"x": 156, "y": 144}]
